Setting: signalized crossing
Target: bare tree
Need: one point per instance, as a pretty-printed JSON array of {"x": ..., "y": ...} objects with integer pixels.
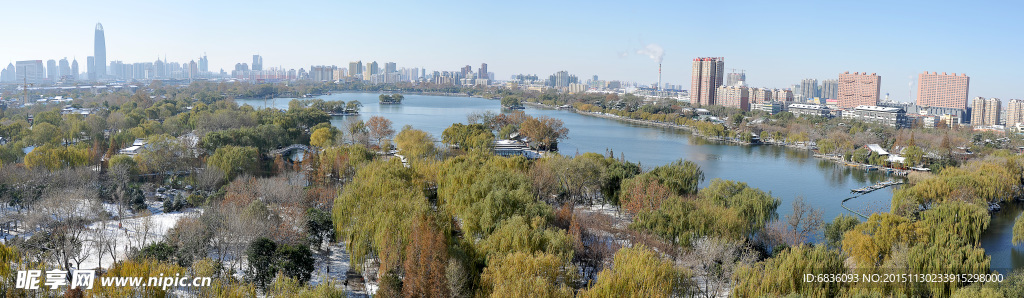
[{"x": 713, "y": 262}]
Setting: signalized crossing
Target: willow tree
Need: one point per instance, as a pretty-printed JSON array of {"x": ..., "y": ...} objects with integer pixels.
[
  {"x": 1018, "y": 230},
  {"x": 640, "y": 272},
  {"x": 784, "y": 274}
]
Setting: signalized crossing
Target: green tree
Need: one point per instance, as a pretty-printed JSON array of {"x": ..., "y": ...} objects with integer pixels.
[
  {"x": 234, "y": 160},
  {"x": 840, "y": 225},
  {"x": 295, "y": 261},
  {"x": 1018, "y": 229},
  {"x": 261, "y": 259},
  {"x": 783, "y": 274},
  {"x": 415, "y": 143},
  {"x": 56, "y": 157},
  {"x": 323, "y": 137}
]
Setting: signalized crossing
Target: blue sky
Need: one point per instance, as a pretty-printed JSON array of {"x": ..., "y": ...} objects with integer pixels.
[{"x": 776, "y": 42}]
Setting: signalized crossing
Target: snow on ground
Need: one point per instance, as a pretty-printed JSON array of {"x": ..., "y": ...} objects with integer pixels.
[
  {"x": 332, "y": 264},
  {"x": 132, "y": 232}
]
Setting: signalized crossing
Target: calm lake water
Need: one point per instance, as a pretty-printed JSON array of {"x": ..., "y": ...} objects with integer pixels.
[{"x": 786, "y": 173}]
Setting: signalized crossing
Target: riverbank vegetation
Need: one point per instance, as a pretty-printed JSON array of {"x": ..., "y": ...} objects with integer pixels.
[{"x": 456, "y": 220}]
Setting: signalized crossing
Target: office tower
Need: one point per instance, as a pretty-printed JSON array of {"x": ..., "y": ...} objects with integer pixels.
[
  {"x": 561, "y": 79},
  {"x": 74, "y": 69},
  {"x": 204, "y": 64},
  {"x": 942, "y": 90},
  {"x": 90, "y": 67},
  {"x": 193, "y": 70},
  {"x": 483, "y": 71},
  {"x": 257, "y": 63},
  {"x": 390, "y": 67},
  {"x": 99, "y": 63},
  {"x": 52, "y": 73},
  {"x": 7, "y": 74},
  {"x": 31, "y": 71},
  {"x": 355, "y": 69},
  {"x": 733, "y": 96},
  {"x": 708, "y": 74},
  {"x": 809, "y": 89},
  {"x": 64, "y": 68},
  {"x": 1015, "y": 112},
  {"x": 734, "y": 79},
  {"x": 466, "y": 71},
  {"x": 857, "y": 89}
]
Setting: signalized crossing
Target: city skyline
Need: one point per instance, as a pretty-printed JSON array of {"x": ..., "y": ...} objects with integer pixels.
[{"x": 913, "y": 40}]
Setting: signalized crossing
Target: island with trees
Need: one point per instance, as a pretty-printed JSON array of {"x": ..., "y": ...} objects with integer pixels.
[{"x": 391, "y": 99}]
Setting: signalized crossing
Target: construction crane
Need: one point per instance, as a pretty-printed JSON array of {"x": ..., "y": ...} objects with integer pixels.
[{"x": 734, "y": 70}]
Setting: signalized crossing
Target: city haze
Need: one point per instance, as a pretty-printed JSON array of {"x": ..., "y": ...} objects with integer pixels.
[{"x": 776, "y": 43}]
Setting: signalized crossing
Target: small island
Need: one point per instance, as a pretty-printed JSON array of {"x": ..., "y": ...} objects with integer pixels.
[
  {"x": 512, "y": 103},
  {"x": 392, "y": 99}
]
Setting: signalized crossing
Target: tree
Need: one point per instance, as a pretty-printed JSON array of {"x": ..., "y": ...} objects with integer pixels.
[
  {"x": 261, "y": 259},
  {"x": 415, "y": 143},
  {"x": 468, "y": 137},
  {"x": 840, "y": 225},
  {"x": 319, "y": 226},
  {"x": 913, "y": 156},
  {"x": 56, "y": 157},
  {"x": 323, "y": 137},
  {"x": 527, "y": 275},
  {"x": 544, "y": 132},
  {"x": 782, "y": 275},
  {"x": 642, "y": 193},
  {"x": 295, "y": 261},
  {"x": 800, "y": 225},
  {"x": 234, "y": 160},
  {"x": 639, "y": 272},
  {"x": 426, "y": 260},
  {"x": 163, "y": 154},
  {"x": 380, "y": 129},
  {"x": 1018, "y": 229}
]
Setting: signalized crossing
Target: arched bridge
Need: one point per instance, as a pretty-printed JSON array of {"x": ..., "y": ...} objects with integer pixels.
[{"x": 289, "y": 150}]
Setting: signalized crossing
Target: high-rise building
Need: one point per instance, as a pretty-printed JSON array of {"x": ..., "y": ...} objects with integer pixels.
[
  {"x": 783, "y": 95},
  {"x": 99, "y": 63},
  {"x": 993, "y": 107},
  {"x": 985, "y": 112},
  {"x": 760, "y": 95},
  {"x": 257, "y": 62},
  {"x": 733, "y": 96},
  {"x": 204, "y": 64},
  {"x": 857, "y": 89},
  {"x": 829, "y": 89},
  {"x": 7, "y": 75},
  {"x": 809, "y": 89},
  {"x": 90, "y": 67},
  {"x": 355, "y": 69},
  {"x": 31, "y": 71},
  {"x": 390, "y": 67},
  {"x": 708, "y": 73},
  {"x": 942, "y": 90},
  {"x": 483, "y": 71},
  {"x": 193, "y": 70},
  {"x": 74, "y": 69},
  {"x": 735, "y": 78},
  {"x": 52, "y": 73},
  {"x": 1015, "y": 112},
  {"x": 65, "y": 69}
]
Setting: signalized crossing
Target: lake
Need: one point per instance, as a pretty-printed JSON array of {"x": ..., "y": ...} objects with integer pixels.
[{"x": 785, "y": 172}]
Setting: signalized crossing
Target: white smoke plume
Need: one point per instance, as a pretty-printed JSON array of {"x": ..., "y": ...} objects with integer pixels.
[{"x": 654, "y": 51}]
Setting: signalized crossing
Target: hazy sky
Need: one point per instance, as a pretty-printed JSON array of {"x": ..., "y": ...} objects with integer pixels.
[{"x": 776, "y": 42}]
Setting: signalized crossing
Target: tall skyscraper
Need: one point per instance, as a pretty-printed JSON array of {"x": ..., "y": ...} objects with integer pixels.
[
  {"x": 809, "y": 89},
  {"x": 708, "y": 73},
  {"x": 985, "y": 112},
  {"x": 52, "y": 73},
  {"x": 466, "y": 71},
  {"x": 942, "y": 90},
  {"x": 257, "y": 62},
  {"x": 829, "y": 89},
  {"x": 74, "y": 69},
  {"x": 733, "y": 96},
  {"x": 355, "y": 69},
  {"x": 8, "y": 75},
  {"x": 371, "y": 69},
  {"x": 65, "y": 69},
  {"x": 735, "y": 78},
  {"x": 760, "y": 95},
  {"x": 99, "y": 63},
  {"x": 856, "y": 89},
  {"x": 1015, "y": 112},
  {"x": 483, "y": 71},
  {"x": 90, "y": 67},
  {"x": 390, "y": 67},
  {"x": 204, "y": 64}
]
